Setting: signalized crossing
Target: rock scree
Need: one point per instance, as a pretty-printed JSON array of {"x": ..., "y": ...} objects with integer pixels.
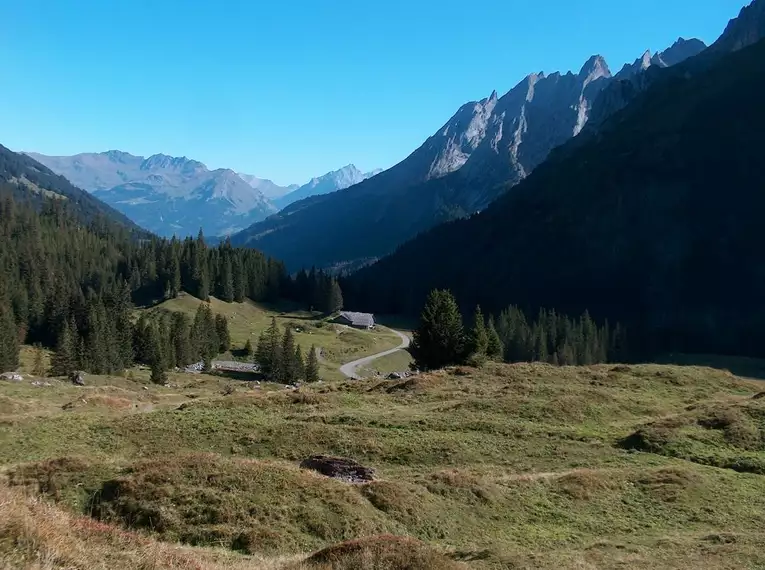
[{"x": 339, "y": 468}]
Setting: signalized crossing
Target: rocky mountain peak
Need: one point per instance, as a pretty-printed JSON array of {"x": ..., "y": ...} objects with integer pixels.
[
  {"x": 595, "y": 68},
  {"x": 163, "y": 161},
  {"x": 679, "y": 51},
  {"x": 747, "y": 29},
  {"x": 118, "y": 155}
]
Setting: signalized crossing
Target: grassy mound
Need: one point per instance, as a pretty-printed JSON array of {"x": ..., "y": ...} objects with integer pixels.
[
  {"x": 728, "y": 434},
  {"x": 385, "y": 552},
  {"x": 249, "y": 506},
  {"x": 35, "y": 535}
]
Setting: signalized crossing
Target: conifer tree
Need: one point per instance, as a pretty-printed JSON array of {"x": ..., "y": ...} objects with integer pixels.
[
  {"x": 288, "y": 372},
  {"x": 239, "y": 280},
  {"x": 494, "y": 349},
  {"x": 64, "y": 360},
  {"x": 248, "y": 351},
  {"x": 269, "y": 355},
  {"x": 124, "y": 325},
  {"x": 205, "y": 334},
  {"x": 440, "y": 339},
  {"x": 312, "y": 366},
  {"x": 38, "y": 368},
  {"x": 227, "y": 281},
  {"x": 224, "y": 337},
  {"x": 181, "y": 340},
  {"x": 9, "y": 340},
  {"x": 335, "y": 297},
  {"x": 540, "y": 343},
  {"x": 298, "y": 365},
  {"x": 479, "y": 338}
]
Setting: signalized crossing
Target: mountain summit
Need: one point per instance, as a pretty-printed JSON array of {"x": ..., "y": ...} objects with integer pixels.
[{"x": 330, "y": 182}]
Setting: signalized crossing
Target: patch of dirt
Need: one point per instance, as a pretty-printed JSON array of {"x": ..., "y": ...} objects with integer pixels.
[{"x": 340, "y": 468}]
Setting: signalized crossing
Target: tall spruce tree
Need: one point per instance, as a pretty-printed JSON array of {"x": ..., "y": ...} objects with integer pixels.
[
  {"x": 224, "y": 337},
  {"x": 440, "y": 338},
  {"x": 298, "y": 365},
  {"x": 248, "y": 350},
  {"x": 9, "y": 340},
  {"x": 312, "y": 366},
  {"x": 288, "y": 373},
  {"x": 494, "y": 349},
  {"x": 479, "y": 338},
  {"x": 65, "y": 359},
  {"x": 335, "y": 297},
  {"x": 269, "y": 355}
]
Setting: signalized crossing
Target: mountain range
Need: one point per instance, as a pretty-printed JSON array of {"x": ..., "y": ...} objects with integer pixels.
[
  {"x": 178, "y": 196},
  {"x": 485, "y": 148},
  {"x": 653, "y": 219}
]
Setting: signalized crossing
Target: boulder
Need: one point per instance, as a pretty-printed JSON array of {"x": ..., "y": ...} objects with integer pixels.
[
  {"x": 77, "y": 378},
  {"x": 394, "y": 376},
  {"x": 339, "y": 468},
  {"x": 11, "y": 377}
]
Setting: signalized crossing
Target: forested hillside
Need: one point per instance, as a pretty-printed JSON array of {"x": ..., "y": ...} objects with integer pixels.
[
  {"x": 66, "y": 282},
  {"x": 31, "y": 181},
  {"x": 654, "y": 222}
]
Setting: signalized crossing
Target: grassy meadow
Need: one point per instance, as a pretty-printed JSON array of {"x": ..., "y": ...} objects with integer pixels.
[
  {"x": 508, "y": 466},
  {"x": 338, "y": 344}
]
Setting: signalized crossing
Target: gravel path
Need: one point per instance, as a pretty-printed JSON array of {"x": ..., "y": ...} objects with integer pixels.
[{"x": 349, "y": 370}]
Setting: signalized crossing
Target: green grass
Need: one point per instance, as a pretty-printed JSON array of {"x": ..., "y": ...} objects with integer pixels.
[
  {"x": 399, "y": 361},
  {"x": 505, "y": 466},
  {"x": 247, "y": 320}
]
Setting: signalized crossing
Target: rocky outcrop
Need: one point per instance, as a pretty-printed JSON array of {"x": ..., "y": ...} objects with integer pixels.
[{"x": 339, "y": 468}]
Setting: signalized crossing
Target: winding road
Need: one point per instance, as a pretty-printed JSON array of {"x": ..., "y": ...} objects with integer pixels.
[{"x": 349, "y": 369}]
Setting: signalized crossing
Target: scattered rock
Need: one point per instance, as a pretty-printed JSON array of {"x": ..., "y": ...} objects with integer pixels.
[
  {"x": 11, "y": 377},
  {"x": 41, "y": 384},
  {"x": 77, "y": 378},
  {"x": 145, "y": 387},
  {"x": 394, "y": 376},
  {"x": 759, "y": 396},
  {"x": 339, "y": 468}
]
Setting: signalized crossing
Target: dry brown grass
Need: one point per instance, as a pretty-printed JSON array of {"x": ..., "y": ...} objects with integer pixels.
[{"x": 35, "y": 535}]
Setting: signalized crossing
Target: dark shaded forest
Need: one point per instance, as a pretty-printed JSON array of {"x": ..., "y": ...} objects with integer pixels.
[{"x": 653, "y": 221}]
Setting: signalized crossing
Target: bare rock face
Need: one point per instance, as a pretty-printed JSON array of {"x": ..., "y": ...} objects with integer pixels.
[
  {"x": 339, "y": 468},
  {"x": 11, "y": 377},
  {"x": 77, "y": 378}
]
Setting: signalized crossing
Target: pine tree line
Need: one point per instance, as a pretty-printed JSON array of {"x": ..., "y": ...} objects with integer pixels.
[
  {"x": 318, "y": 291},
  {"x": 281, "y": 359},
  {"x": 63, "y": 282},
  {"x": 441, "y": 339}
]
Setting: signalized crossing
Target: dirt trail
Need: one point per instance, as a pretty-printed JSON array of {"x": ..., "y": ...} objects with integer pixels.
[{"x": 349, "y": 370}]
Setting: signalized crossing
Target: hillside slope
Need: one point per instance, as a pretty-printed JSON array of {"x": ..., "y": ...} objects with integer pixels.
[
  {"x": 654, "y": 221},
  {"x": 485, "y": 147},
  {"x": 508, "y": 466},
  {"x": 33, "y": 181}
]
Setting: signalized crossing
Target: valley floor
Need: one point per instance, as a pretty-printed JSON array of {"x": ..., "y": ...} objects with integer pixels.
[{"x": 508, "y": 466}]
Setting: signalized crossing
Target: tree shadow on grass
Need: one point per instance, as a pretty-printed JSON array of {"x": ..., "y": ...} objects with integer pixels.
[
  {"x": 738, "y": 365},
  {"x": 240, "y": 375}
]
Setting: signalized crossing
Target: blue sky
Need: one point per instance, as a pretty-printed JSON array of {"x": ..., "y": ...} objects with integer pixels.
[{"x": 289, "y": 90}]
